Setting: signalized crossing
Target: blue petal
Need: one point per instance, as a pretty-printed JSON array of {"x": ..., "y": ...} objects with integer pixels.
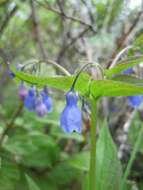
[
  {"x": 128, "y": 71},
  {"x": 11, "y": 74},
  {"x": 47, "y": 100},
  {"x": 135, "y": 101},
  {"x": 29, "y": 103},
  {"x": 71, "y": 98},
  {"x": 71, "y": 119},
  {"x": 40, "y": 108},
  {"x": 30, "y": 100}
]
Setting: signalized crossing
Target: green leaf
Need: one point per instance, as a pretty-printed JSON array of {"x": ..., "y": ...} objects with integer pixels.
[
  {"x": 97, "y": 87},
  {"x": 114, "y": 88},
  {"x": 58, "y": 82},
  {"x": 31, "y": 184},
  {"x": 63, "y": 173},
  {"x": 129, "y": 79},
  {"x": 108, "y": 166},
  {"x": 9, "y": 175},
  {"x": 80, "y": 161},
  {"x": 124, "y": 65},
  {"x": 26, "y": 145}
]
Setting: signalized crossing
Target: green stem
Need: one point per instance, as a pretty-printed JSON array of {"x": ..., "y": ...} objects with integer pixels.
[
  {"x": 132, "y": 158},
  {"x": 92, "y": 169}
]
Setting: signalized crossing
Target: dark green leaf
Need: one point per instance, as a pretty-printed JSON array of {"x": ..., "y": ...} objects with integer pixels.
[
  {"x": 108, "y": 166},
  {"x": 9, "y": 175},
  {"x": 26, "y": 146},
  {"x": 31, "y": 184},
  {"x": 80, "y": 161}
]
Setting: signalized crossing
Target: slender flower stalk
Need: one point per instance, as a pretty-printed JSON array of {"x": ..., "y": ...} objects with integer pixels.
[{"x": 92, "y": 169}]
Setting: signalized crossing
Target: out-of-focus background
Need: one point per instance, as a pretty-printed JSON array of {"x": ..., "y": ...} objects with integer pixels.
[{"x": 35, "y": 153}]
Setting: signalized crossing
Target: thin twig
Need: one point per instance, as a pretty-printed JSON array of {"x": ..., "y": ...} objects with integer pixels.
[
  {"x": 121, "y": 41},
  {"x": 75, "y": 19},
  {"x": 91, "y": 16},
  {"x": 64, "y": 49},
  {"x": 7, "y": 19},
  {"x": 37, "y": 30},
  {"x": 119, "y": 55}
]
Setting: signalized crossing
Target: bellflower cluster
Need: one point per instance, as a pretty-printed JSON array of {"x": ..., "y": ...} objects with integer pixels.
[
  {"x": 71, "y": 117},
  {"x": 34, "y": 102},
  {"x": 41, "y": 103},
  {"x": 134, "y": 101}
]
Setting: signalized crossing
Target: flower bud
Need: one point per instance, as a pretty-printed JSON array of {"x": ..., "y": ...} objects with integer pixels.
[{"x": 22, "y": 91}]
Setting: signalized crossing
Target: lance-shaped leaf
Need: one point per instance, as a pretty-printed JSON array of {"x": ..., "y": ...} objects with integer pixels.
[
  {"x": 128, "y": 79},
  {"x": 57, "y": 82},
  {"x": 114, "y": 88},
  {"x": 108, "y": 167},
  {"x": 97, "y": 87},
  {"x": 124, "y": 65}
]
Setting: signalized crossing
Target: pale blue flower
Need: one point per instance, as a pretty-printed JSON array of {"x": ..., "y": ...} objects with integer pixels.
[
  {"x": 135, "y": 101},
  {"x": 71, "y": 117},
  {"x": 30, "y": 100},
  {"x": 47, "y": 100},
  {"x": 40, "y": 108}
]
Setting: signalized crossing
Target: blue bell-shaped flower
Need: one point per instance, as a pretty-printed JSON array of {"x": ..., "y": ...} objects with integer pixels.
[
  {"x": 40, "y": 108},
  {"x": 135, "y": 101},
  {"x": 30, "y": 100},
  {"x": 128, "y": 71},
  {"x": 71, "y": 117},
  {"x": 47, "y": 100}
]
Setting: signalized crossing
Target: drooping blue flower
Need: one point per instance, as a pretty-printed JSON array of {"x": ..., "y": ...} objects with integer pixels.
[
  {"x": 135, "y": 101},
  {"x": 40, "y": 108},
  {"x": 128, "y": 71},
  {"x": 30, "y": 99},
  {"x": 71, "y": 117},
  {"x": 47, "y": 100},
  {"x": 22, "y": 92}
]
